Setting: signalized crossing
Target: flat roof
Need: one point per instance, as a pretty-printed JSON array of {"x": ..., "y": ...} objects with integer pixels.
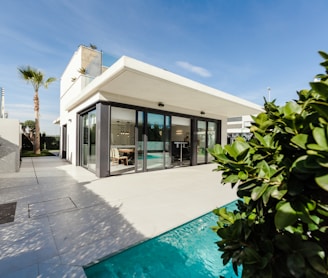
[{"x": 137, "y": 80}]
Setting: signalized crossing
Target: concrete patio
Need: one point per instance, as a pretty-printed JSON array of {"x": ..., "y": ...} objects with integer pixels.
[{"x": 67, "y": 218}]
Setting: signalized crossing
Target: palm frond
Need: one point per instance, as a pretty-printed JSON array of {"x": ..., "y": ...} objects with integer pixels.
[
  {"x": 48, "y": 81},
  {"x": 35, "y": 77}
]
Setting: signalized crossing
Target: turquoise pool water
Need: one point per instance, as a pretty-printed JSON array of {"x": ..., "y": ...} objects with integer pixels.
[{"x": 186, "y": 251}]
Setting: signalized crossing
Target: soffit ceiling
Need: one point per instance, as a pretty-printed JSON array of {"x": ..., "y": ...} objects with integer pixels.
[{"x": 136, "y": 80}]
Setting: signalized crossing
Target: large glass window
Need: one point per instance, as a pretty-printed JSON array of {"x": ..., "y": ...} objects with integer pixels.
[
  {"x": 89, "y": 140},
  {"x": 206, "y": 138},
  {"x": 142, "y": 141},
  {"x": 122, "y": 146}
]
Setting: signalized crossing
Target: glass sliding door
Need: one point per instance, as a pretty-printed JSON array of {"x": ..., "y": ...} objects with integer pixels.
[
  {"x": 88, "y": 150},
  {"x": 92, "y": 151},
  {"x": 141, "y": 162},
  {"x": 167, "y": 140},
  {"x": 85, "y": 140},
  {"x": 155, "y": 141},
  {"x": 180, "y": 141},
  {"x": 122, "y": 145},
  {"x": 201, "y": 142},
  {"x": 64, "y": 142}
]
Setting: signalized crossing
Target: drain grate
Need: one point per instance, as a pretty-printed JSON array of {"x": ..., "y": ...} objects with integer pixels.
[{"x": 7, "y": 212}]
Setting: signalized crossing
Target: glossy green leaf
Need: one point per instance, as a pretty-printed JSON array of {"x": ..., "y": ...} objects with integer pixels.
[
  {"x": 260, "y": 138},
  {"x": 217, "y": 149},
  {"x": 231, "y": 151},
  {"x": 248, "y": 184},
  {"x": 304, "y": 165},
  {"x": 240, "y": 146},
  {"x": 231, "y": 179},
  {"x": 322, "y": 181},
  {"x": 251, "y": 256},
  {"x": 321, "y": 88},
  {"x": 285, "y": 216},
  {"x": 310, "y": 249},
  {"x": 226, "y": 215},
  {"x": 323, "y": 162},
  {"x": 258, "y": 191},
  {"x": 278, "y": 194},
  {"x": 267, "y": 194},
  {"x": 300, "y": 140},
  {"x": 265, "y": 171},
  {"x": 321, "y": 108},
  {"x": 311, "y": 205},
  {"x": 320, "y": 136},
  {"x": 318, "y": 264},
  {"x": 291, "y": 107},
  {"x": 303, "y": 212},
  {"x": 296, "y": 264},
  {"x": 283, "y": 243},
  {"x": 242, "y": 175},
  {"x": 223, "y": 158}
]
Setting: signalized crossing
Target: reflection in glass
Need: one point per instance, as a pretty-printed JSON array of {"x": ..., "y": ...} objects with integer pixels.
[
  {"x": 155, "y": 146},
  {"x": 180, "y": 141},
  {"x": 201, "y": 141},
  {"x": 167, "y": 133},
  {"x": 85, "y": 140},
  {"x": 122, "y": 146},
  {"x": 140, "y": 163},
  {"x": 211, "y": 138},
  {"x": 89, "y": 140},
  {"x": 92, "y": 129}
]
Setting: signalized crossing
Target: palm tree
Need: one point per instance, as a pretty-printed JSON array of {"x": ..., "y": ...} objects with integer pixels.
[{"x": 37, "y": 79}]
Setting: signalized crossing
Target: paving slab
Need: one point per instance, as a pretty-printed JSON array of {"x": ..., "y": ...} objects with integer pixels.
[{"x": 67, "y": 218}]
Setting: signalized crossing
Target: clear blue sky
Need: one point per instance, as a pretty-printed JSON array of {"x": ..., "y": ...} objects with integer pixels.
[{"x": 241, "y": 47}]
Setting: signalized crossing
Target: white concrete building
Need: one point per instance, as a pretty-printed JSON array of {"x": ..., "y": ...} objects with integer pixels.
[
  {"x": 239, "y": 126},
  {"x": 134, "y": 117}
]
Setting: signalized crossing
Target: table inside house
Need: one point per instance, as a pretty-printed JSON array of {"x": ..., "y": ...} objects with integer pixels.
[
  {"x": 181, "y": 144},
  {"x": 129, "y": 152}
]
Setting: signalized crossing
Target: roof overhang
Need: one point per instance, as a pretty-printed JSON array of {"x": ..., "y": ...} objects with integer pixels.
[
  {"x": 57, "y": 121},
  {"x": 131, "y": 79}
]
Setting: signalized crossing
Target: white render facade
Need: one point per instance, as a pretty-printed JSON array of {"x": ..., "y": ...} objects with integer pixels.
[
  {"x": 134, "y": 117},
  {"x": 239, "y": 127}
]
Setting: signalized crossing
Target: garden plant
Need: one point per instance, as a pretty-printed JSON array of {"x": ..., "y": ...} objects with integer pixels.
[
  {"x": 280, "y": 225},
  {"x": 37, "y": 79}
]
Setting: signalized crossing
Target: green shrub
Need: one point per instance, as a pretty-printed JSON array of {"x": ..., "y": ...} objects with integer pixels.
[
  {"x": 280, "y": 226},
  {"x": 28, "y": 153}
]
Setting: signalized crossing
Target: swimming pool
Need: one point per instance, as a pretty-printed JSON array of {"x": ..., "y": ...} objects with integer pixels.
[{"x": 186, "y": 251}]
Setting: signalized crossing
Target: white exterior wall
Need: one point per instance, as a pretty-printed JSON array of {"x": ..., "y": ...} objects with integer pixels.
[
  {"x": 10, "y": 142},
  {"x": 224, "y": 134},
  {"x": 72, "y": 128},
  {"x": 83, "y": 58},
  {"x": 89, "y": 59},
  {"x": 240, "y": 126}
]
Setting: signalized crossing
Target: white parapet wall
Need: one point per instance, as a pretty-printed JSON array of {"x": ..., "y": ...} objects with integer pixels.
[{"x": 10, "y": 145}]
